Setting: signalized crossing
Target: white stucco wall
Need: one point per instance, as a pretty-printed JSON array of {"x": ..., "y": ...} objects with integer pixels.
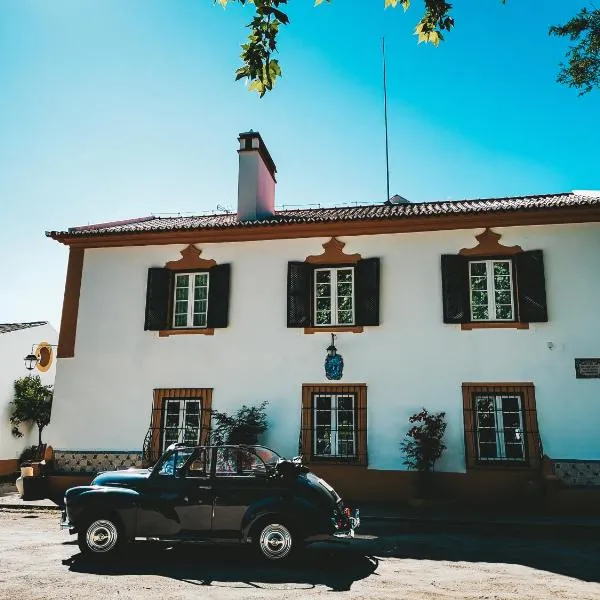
[
  {"x": 14, "y": 346},
  {"x": 104, "y": 394}
]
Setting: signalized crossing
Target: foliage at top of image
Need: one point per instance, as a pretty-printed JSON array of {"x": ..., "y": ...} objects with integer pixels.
[
  {"x": 581, "y": 71},
  {"x": 424, "y": 442},
  {"x": 245, "y": 426},
  {"x": 32, "y": 403}
]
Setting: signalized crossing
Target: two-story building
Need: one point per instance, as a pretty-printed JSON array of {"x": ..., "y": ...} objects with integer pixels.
[{"x": 478, "y": 308}]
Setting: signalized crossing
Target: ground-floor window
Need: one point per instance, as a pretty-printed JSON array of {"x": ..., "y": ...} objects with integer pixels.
[
  {"x": 501, "y": 424},
  {"x": 334, "y": 423},
  {"x": 178, "y": 415}
]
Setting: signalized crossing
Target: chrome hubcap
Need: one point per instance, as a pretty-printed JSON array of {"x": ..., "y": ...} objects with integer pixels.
[
  {"x": 275, "y": 541},
  {"x": 101, "y": 536}
]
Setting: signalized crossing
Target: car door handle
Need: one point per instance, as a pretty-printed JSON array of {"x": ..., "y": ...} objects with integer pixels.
[{"x": 205, "y": 487}]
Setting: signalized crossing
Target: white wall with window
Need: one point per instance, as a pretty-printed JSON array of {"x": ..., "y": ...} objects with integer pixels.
[{"x": 412, "y": 359}]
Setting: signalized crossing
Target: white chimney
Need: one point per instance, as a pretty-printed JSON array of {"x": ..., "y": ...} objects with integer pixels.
[{"x": 256, "y": 179}]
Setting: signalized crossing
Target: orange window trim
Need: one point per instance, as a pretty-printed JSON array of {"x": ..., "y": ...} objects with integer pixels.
[
  {"x": 204, "y": 394},
  {"x": 307, "y": 429},
  {"x": 527, "y": 392}
]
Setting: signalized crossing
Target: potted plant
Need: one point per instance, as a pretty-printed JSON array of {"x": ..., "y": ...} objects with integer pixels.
[
  {"x": 245, "y": 426},
  {"x": 423, "y": 446}
]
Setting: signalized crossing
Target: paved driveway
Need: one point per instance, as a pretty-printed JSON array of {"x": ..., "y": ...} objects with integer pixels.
[{"x": 38, "y": 561}]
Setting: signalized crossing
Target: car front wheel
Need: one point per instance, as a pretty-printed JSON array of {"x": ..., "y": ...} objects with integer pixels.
[
  {"x": 101, "y": 537},
  {"x": 275, "y": 541}
]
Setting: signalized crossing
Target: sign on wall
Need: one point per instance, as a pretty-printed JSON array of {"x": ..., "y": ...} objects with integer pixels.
[{"x": 587, "y": 368}]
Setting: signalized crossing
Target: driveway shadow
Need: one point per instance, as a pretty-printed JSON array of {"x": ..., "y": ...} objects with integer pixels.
[
  {"x": 335, "y": 567},
  {"x": 574, "y": 558}
]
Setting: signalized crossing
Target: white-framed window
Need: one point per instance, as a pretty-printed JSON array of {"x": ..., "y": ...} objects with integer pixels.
[
  {"x": 334, "y": 296},
  {"x": 334, "y": 425},
  {"x": 181, "y": 421},
  {"x": 499, "y": 426},
  {"x": 491, "y": 290},
  {"x": 190, "y": 305}
]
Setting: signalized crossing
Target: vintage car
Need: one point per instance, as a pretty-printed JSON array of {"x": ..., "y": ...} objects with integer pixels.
[{"x": 217, "y": 494}]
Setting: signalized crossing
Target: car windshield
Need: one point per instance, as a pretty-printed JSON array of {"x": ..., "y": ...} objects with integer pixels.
[
  {"x": 267, "y": 455},
  {"x": 174, "y": 461}
]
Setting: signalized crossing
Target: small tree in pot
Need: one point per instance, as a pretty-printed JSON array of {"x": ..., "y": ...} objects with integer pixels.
[
  {"x": 32, "y": 403},
  {"x": 245, "y": 426},
  {"x": 424, "y": 445}
]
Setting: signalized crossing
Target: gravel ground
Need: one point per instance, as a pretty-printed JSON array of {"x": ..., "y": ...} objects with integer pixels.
[{"x": 38, "y": 561}]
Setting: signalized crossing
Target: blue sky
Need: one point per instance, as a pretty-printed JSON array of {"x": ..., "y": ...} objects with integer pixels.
[{"x": 112, "y": 110}]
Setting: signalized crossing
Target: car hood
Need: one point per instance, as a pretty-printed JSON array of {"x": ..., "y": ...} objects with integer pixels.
[{"x": 124, "y": 478}]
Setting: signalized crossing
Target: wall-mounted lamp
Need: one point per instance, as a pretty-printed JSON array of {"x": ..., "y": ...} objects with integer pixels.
[
  {"x": 334, "y": 363},
  {"x": 40, "y": 357}
]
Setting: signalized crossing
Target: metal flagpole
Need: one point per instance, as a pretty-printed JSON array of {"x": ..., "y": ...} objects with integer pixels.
[{"x": 387, "y": 159}]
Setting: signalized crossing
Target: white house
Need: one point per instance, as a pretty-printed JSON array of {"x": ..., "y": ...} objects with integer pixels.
[
  {"x": 480, "y": 308},
  {"x": 16, "y": 341}
]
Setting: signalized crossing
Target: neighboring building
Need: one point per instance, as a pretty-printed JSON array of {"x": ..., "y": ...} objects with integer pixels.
[
  {"x": 16, "y": 341},
  {"x": 479, "y": 308}
]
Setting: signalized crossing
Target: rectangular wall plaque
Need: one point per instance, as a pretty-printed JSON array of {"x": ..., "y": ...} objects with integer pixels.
[{"x": 587, "y": 368}]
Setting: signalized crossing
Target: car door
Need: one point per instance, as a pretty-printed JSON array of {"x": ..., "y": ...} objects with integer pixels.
[
  {"x": 240, "y": 480},
  {"x": 177, "y": 500}
]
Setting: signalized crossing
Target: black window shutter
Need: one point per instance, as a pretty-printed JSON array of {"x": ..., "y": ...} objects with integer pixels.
[
  {"x": 531, "y": 286},
  {"x": 299, "y": 292},
  {"x": 366, "y": 283},
  {"x": 218, "y": 296},
  {"x": 455, "y": 289},
  {"x": 157, "y": 299}
]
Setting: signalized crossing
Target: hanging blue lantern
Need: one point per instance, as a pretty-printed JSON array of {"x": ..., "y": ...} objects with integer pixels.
[{"x": 334, "y": 363}]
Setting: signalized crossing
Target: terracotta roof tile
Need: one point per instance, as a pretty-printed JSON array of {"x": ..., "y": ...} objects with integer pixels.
[
  {"x": 10, "y": 327},
  {"x": 339, "y": 214}
]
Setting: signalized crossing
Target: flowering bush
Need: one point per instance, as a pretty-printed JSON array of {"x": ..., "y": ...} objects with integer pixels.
[{"x": 424, "y": 442}]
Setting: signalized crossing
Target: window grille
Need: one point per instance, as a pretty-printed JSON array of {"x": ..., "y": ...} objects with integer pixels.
[
  {"x": 178, "y": 415},
  {"x": 334, "y": 423},
  {"x": 501, "y": 424}
]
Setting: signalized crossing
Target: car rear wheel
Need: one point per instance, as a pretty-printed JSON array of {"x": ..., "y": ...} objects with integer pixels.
[
  {"x": 275, "y": 541},
  {"x": 101, "y": 537}
]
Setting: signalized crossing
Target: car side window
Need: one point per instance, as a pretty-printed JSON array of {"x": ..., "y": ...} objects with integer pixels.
[
  {"x": 238, "y": 462},
  {"x": 198, "y": 466}
]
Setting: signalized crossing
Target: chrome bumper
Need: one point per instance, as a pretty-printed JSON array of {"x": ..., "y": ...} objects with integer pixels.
[{"x": 354, "y": 524}]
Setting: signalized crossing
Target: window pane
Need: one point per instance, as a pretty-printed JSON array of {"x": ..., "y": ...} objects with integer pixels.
[
  {"x": 511, "y": 420},
  {"x": 487, "y": 435},
  {"x": 346, "y": 448},
  {"x": 479, "y": 298},
  {"x": 480, "y": 313},
  {"x": 323, "y": 402},
  {"x": 345, "y": 402},
  {"x": 323, "y": 304},
  {"x": 226, "y": 462},
  {"x": 201, "y": 279},
  {"x": 503, "y": 298},
  {"x": 181, "y": 307},
  {"x": 502, "y": 283},
  {"x": 485, "y": 403},
  {"x": 504, "y": 313},
  {"x": 345, "y": 303},
  {"x": 323, "y": 441},
  {"x": 200, "y": 320},
  {"x": 486, "y": 419},
  {"x": 323, "y": 290},
  {"x": 324, "y": 317},
  {"x": 181, "y": 320},
  {"x": 323, "y": 276},
  {"x": 487, "y": 451},
  {"x": 478, "y": 268},
  {"x": 479, "y": 283},
  {"x": 344, "y": 289},
  {"x": 183, "y": 281},
  {"x": 345, "y": 317},
  {"x": 181, "y": 293},
  {"x": 501, "y": 268},
  {"x": 344, "y": 275},
  {"x": 201, "y": 293},
  {"x": 511, "y": 404},
  {"x": 515, "y": 452},
  {"x": 345, "y": 418}
]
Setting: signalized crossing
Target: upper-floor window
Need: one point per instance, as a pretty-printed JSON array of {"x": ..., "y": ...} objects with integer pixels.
[
  {"x": 334, "y": 296},
  {"x": 190, "y": 305},
  {"x": 491, "y": 290},
  {"x": 190, "y": 295},
  {"x": 498, "y": 287}
]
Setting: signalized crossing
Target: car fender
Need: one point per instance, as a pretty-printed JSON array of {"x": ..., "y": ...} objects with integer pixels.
[
  {"x": 121, "y": 502},
  {"x": 303, "y": 515}
]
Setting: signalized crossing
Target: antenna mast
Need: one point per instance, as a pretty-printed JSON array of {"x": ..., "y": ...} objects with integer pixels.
[{"x": 387, "y": 158}]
